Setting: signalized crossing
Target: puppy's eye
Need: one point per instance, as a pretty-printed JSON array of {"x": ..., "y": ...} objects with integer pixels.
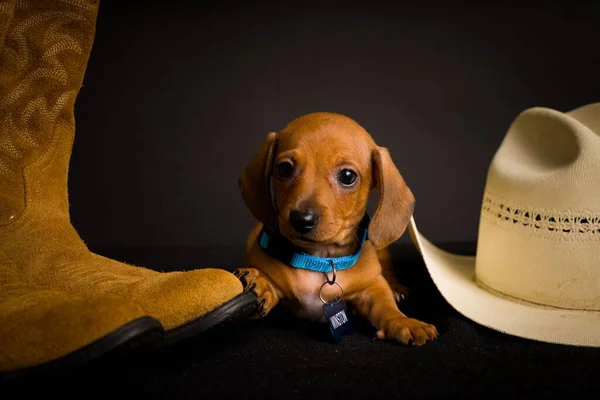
[
  {"x": 285, "y": 170},
  {"x": 347, "y": 177}
]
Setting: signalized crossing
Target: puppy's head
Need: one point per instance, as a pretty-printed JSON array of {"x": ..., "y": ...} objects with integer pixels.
[{"x": 313, "y": 180}]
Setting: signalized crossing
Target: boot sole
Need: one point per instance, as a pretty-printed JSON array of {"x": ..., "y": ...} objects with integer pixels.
[
  {"x": 143, "y": 333},
  {"x": 237, "y": 309},
  {"x": 139, "y": 333}
]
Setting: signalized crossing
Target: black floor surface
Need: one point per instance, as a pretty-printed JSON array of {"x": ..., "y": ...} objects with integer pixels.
[{"x": 283, "y": 357}]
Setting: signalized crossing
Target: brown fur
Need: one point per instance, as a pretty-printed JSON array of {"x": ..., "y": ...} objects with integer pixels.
[{"x": 319, "y": 145}]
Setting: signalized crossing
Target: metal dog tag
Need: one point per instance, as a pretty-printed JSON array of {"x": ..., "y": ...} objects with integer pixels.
[
  {"x": 335, "y": 311},
  {"x": 339, "y": 323}
]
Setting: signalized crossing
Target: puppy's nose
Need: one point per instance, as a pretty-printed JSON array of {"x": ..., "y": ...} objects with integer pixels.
[{"x": 304, "y": 221}]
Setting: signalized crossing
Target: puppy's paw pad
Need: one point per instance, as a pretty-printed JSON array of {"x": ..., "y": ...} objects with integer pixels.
[
  {"x": 247, "y": 276},
  {"x": 408, "y": 331},
  {"x": 260, "y": 287},
  {"x": 265, "y": 303}
]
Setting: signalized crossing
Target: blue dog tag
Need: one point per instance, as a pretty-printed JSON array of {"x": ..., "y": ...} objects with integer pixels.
[{"x": 339, "y": 323}]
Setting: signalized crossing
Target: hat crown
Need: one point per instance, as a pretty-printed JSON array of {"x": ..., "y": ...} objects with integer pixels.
[
  {"x": 550, "y": 159},
  {"x": 539, "y": 232}
]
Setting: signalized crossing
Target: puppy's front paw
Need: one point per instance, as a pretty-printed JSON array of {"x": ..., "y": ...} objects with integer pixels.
[
  {"x": 408, "y": 330},
  {"x": 253, "y": 281}
]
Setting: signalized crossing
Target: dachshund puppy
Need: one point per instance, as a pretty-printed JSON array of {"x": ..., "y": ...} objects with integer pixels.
[{"x": 308, "y": 187}]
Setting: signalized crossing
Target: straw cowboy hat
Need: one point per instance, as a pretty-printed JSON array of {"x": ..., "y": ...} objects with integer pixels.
[{"x": 536, "y": 273}]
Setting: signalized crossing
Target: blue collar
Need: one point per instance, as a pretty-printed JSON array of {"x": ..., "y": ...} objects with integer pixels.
[{"x": 285, "y": 251}]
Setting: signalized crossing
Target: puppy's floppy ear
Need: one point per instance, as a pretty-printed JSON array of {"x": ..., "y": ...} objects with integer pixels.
[
  {"x": 255, "y": 182},
  {"x": 396, "y": 201}
]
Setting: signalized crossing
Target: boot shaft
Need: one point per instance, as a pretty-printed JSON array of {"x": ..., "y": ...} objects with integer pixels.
[{"x": 45, "y": 50}]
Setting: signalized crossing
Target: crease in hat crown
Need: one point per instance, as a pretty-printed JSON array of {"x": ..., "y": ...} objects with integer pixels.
[{"x": 539, "y": 230}]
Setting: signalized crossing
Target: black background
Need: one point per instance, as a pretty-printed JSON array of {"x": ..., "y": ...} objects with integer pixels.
[{"x": 178, "y": 96}]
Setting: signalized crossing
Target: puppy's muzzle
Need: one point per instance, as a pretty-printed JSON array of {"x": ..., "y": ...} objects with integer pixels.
[{"x": 304, "y": 221}]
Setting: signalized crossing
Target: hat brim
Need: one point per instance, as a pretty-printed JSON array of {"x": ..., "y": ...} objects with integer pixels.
[{"x": 454, "y": 277}]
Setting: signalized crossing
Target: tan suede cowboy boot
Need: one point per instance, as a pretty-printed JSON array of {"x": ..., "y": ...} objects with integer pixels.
[
  {"x": 42, "y": 65},
  {"x": 41, "y": 329}
]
